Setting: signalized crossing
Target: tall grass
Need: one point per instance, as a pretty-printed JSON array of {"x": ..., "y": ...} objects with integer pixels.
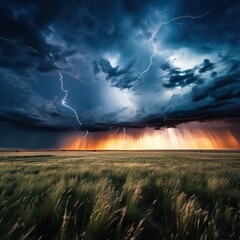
[{"x": 91, "y": 197}]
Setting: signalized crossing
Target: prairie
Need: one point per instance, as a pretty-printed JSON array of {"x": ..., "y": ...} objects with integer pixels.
[{"x": 70, "y": 195}]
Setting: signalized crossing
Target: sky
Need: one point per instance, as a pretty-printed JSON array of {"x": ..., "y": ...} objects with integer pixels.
[{"x": 117, "y": 67}]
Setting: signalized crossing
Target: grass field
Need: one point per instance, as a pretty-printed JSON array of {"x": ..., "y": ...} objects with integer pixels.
[{"x": 119, "y": 195}]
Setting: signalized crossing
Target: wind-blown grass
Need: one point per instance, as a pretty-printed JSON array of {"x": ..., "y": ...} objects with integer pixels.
[{"x": 127, "y": 196}]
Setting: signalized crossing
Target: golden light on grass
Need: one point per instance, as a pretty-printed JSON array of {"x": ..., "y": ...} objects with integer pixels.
[{"x": 193, "y": 135}]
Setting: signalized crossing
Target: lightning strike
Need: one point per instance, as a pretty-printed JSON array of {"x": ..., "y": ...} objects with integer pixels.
[
  {"x": 116, "y": 131},
  {"x": 135, "y": 109},
  {"x": 152, "y": 40},
  {"x": 140, "y": 75},
  {"x": 64, "y": 103},
  {"x": 87, "y": 133}
]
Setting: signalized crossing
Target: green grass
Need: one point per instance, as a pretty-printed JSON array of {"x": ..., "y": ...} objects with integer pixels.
[{"x": 120, "y": 195}]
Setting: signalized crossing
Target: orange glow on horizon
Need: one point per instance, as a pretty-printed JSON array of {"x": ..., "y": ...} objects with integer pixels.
[{"x": 185, "y": 136}]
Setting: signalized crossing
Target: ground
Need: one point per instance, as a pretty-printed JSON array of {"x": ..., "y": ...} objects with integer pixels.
[{"x": 120, "y": 195}]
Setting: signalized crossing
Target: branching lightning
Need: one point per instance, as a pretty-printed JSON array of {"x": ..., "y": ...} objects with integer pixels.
[
  {"x": 87, "y": 133},
  {"x": 154, "y": 46},
  {"x": 64, "y": 103},
  {"x": 62, "y": 88},
  {"x": 139, "y": 75},
  {"x": 135, "y": 109}
]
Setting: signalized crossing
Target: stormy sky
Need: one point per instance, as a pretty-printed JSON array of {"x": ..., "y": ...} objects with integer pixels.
[{"x": 122, "y": 63}]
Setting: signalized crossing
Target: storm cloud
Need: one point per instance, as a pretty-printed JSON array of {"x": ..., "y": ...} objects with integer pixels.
[{"x": 124, "y": 63}]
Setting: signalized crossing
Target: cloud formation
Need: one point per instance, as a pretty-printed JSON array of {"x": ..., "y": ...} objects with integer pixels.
[{"x": 102, "y": 49}]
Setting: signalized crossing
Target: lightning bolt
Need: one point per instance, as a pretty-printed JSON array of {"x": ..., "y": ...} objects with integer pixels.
[
  {"x": 135, "y": 109},
  {"x": 140, "y": 75},
  {"x": 116, "y": 131},
  {"x": 62, "y": 88},
  {"x": 64, "y": 103},
  {"x": 87, "y": 133}
]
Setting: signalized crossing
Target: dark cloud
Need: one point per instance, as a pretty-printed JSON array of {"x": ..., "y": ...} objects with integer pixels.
[
  {"x": 111, "y": 72},
  {"x": 23, "y": 44},
  {"x": 220, "y": 88},
  {"x": 206, "y": 66},
  {"x": 217, "y": 29},
  {"x": 24, "y": 137},
  {"x": 121, "y": 78},
  {"x": 96, "y": 68},
  {"x": 124, "y": 82},
  {"x": 104, "y": 48},
  {"x": 179, "y": 78}
]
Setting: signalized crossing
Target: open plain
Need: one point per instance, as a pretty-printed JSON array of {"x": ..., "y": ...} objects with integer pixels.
[{"x": 119, "y": 195}]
